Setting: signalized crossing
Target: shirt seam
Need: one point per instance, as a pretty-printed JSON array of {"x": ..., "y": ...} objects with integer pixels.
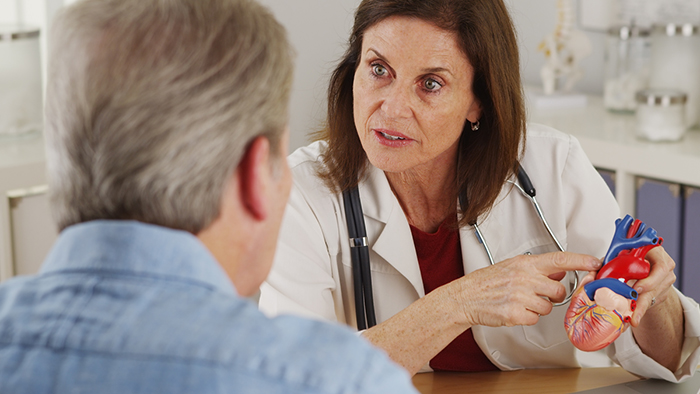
[{"x": 112, "y": 273}]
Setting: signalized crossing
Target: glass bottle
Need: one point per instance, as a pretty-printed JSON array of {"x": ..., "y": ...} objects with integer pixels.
[
  {"x": 627, "y": 67},
  {"x": 675, "y": 64}
]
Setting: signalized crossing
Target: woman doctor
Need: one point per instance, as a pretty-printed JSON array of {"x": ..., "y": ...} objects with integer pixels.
[{"x": 424, "y": 108}]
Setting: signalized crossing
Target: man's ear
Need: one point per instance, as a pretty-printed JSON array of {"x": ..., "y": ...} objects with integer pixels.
[{"x": 254, "y": 175}]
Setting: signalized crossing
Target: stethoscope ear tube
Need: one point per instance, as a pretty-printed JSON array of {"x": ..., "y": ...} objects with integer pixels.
[
  {"x": 529, "y": 190},
  {"x": 357, "y": 287},
  {"x": 525, "y": 182},
  {"x": 367, "y": 287},
  {"x": 359, "y": 254}
]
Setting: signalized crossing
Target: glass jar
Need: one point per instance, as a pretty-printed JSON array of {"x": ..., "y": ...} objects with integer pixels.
[
  {"x": 627, "y": 67},
  {"x": 661, "y": 114},
  {"x": 675, "y": 64},
  {"x": 20, "y": 81}
]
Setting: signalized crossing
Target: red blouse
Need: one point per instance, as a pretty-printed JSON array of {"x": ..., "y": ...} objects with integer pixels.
[{"x": 440, "y": 260}]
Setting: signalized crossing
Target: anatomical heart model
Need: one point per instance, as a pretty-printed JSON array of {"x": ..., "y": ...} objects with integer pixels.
[{"x": 601, "y": 308}]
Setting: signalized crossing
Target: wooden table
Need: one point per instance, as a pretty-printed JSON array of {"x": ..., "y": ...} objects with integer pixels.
[{"x": 535, "y": 381}]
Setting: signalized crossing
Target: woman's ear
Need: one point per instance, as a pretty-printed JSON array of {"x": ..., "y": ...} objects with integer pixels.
[
  {"x": 474, "y": 112},
  {"x": 254, "y": 173}
]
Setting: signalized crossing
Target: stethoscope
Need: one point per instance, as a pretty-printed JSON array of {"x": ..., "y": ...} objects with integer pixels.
[{"x": 359, "y": 248}]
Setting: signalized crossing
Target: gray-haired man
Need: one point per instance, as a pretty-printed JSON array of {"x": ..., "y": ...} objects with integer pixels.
[{"x": 166, "y": 143}]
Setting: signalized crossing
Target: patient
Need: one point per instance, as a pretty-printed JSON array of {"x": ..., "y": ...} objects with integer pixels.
[{"x": 166, "y": 143}]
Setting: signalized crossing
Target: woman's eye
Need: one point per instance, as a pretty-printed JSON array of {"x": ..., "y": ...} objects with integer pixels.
[
  {"x": 432, "y": 85},
  {"x": 379, "y": 70}
]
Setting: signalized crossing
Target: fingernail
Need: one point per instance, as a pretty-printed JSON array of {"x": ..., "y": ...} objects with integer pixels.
[{"x": 597, "y": 263}]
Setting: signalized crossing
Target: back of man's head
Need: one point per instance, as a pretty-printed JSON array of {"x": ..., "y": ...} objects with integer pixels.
[{"x": 151, "y": 104}]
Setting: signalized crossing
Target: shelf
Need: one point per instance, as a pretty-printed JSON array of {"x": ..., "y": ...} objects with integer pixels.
[{"x": 610, "y": 142}]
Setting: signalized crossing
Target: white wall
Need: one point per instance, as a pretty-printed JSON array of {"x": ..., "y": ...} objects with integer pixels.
[
  {"x": 8, "y": 12},
  {"x": 318, "y": 30},
  {"x": 534, "y": 19}
]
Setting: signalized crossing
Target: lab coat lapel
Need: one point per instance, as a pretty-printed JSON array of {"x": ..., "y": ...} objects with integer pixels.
[{"x": 394, "y": 243}]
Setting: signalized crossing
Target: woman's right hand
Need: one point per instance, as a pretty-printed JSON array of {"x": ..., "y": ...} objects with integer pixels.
[{"x": 516, "y": 291}]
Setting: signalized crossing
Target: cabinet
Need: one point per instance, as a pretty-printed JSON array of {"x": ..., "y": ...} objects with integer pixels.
[
  {"x": 690, "y": 275},
  {"x": 656, "y": 182},
  {"x": 660, "y": 205},
  {"x": 26, "y": 228}
]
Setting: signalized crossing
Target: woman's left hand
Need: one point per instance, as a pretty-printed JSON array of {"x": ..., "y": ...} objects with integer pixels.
[
  {"x": 654, "y": 289},
  {"x": 658, "y": 321}
]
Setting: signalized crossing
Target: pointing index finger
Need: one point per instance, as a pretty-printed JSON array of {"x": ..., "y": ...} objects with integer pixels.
[{"x": 551, "y": 263}]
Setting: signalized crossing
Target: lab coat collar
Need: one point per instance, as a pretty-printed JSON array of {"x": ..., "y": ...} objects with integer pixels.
[
  {"x": 390, "y": 243},
  {"x": 376, "y": 189}
]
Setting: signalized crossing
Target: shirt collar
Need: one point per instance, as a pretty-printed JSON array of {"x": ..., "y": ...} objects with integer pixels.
[{"x": 136, "y": 248}]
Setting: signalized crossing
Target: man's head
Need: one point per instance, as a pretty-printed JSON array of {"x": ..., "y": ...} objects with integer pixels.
[{"x": 155, "y": 108}]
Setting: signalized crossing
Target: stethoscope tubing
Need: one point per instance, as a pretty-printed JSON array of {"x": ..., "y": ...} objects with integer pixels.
[
  {"x": 359, "y": 255},
  {"x": 530, "y": 195},
  {"x": 359, "y": 249},
  {"x": 482, "y": 240}
]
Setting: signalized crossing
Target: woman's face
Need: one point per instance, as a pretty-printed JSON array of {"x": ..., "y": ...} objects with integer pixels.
[{"x": 412, "y": 95}]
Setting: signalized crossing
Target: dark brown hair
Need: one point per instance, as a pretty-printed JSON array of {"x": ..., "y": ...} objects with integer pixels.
[{"x": 486, "y": 157}]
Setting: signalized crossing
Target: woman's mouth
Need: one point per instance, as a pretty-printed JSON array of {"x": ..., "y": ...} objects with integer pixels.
[{"x": 391, "y": 137}]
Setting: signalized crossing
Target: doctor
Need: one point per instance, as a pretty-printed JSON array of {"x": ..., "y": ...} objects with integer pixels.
[{"x": 424, "y": 108}]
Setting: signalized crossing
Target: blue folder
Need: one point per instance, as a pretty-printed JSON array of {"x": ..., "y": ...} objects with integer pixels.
[
  {"x": 690, "y": 275},
  {"x": 659, "y": 205}
]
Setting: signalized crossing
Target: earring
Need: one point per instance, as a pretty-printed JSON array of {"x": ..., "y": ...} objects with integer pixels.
[{"x": 475, "y": 126}]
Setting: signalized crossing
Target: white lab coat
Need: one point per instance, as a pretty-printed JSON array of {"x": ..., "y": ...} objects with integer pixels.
[{"x": 312, "y": 273}]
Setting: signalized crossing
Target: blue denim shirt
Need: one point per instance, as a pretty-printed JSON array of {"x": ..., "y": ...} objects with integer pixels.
[{"x": 125, "y": 307}]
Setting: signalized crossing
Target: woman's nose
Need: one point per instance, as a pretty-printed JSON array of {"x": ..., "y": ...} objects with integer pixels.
[{"x": 397, "y": 101}]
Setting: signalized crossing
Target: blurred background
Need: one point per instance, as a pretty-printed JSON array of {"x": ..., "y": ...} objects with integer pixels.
[{"x": 647, "y": 149}]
